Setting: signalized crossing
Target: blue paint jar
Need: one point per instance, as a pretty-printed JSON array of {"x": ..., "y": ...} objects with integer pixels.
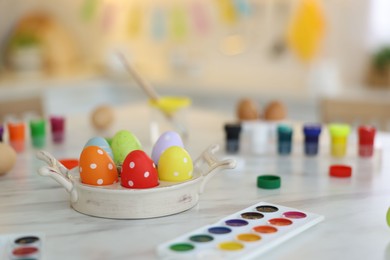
[
  {"x": 284, "y": 139},
  {"x": 312, "y": 133}
]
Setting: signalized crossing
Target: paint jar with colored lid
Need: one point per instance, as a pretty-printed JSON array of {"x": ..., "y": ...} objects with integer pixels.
[
  {"x": 312, "y": 134},
  {"x": 339, "y": 139},
  {"x": 254, "y": 137},
  {"x": 17, "y": 135},
  {"x": 232, "y": 132},
  {"x": 38, "y": 132},
  {"x": 366, "y": 140},
  {"x": 169, "y": 113},
  {"x": 284, "y": 142},
  {"x": 57, "y": 126},
  {"x": 1, "y": 133}
]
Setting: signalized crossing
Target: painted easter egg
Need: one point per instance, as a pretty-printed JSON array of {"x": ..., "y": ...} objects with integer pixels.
[
  {"x": 122, "y": 144},
  {"x": 96, "y": 167},
  {"x": 166, "y": 140},
  {"x": 138, "y": 171},
  {"x": 102, "y": 143},
  {"x": 175, "y": 164}
]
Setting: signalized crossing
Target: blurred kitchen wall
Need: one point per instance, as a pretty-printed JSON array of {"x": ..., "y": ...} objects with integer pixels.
[{"x": 228, "y": 45}]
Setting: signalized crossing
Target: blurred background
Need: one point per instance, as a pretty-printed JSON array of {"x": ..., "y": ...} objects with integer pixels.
[{"x": 325, "y": 60}]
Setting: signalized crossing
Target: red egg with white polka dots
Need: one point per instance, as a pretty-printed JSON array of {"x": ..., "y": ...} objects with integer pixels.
[
  {"x": 138, "y": 171},
  {"x": 96, "y": 167}
]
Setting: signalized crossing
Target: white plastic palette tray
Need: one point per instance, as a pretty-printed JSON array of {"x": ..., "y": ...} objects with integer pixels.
[
  {"x": 242, "y": 235},
  {"x": 21, "y": 246}
]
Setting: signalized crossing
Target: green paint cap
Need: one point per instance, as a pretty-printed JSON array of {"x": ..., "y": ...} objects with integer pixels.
[{"x": 268, "y": 182}]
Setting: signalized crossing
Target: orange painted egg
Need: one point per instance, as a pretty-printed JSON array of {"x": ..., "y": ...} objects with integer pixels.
[{"x": 96, "y": 167}]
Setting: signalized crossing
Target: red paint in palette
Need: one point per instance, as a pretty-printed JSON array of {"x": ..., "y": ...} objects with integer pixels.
[
  {"x": 280, "y": 221},
  {"x": 24, "y": 251}
]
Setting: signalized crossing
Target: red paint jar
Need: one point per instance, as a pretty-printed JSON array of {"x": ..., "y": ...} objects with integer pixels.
[{"x": 366, "y": 141}]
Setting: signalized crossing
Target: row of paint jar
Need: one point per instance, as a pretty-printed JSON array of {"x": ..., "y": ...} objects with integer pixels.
[
  {"x": 339, "y": 135},
  {"x": 17, "y": 131}
]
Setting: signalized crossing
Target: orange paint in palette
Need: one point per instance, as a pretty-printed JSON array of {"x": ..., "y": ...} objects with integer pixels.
[
  {"x": 21, "y": 246},
  {"x": 243, "y": 235}
]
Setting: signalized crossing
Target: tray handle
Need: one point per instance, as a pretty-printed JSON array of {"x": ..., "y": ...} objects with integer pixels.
[
  {"x": 58, "y": 172},
  {"x": 208, "y": 165}
]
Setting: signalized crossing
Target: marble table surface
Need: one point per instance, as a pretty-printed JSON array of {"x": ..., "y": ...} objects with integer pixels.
[{"x": 354, "y": 208}]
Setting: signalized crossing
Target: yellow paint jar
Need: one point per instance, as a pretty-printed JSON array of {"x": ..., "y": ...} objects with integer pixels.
[
  {"x": 339, "y": 139},
  {"x": 169, "y": 113}
]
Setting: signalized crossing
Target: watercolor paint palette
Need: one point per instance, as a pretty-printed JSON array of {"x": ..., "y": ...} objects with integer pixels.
[
  {"x": 242, "y": 235},
  {"x": 21, "y": 246}
]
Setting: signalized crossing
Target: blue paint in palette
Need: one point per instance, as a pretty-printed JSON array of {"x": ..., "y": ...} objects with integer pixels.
[{"x": 219, "y": 230}]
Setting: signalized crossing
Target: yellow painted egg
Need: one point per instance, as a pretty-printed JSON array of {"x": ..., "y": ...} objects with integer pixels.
[
  {"x": 96, "y": 167},
  {"x": 175, "y": 165}
]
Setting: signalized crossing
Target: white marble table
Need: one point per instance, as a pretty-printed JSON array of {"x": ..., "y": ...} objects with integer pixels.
[{"x": 354, "y": 208}]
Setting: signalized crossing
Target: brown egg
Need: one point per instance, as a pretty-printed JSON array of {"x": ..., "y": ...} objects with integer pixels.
[
  {"x": 7, "y": 158},
  {"x": 247, "y": 110},
  {"x": 102, "y": 117},
  {"x": 275, "y": 110}
]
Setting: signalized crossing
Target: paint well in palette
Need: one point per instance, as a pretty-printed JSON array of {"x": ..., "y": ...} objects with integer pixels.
[
  {"x": 182, "y": 247},
  {"x": 201, "y": 238},
  {"x": 267, "y": 209},
  {"x": 26, "y": 240},
  {"x": 265, "y": 229},
  {"x": 252, "y": 215},
  {"x": 219, "y": 230},
  {"x": 231, "y": 246},
  {"x": 236, "y": 222},
  {"x": 294, "y": 214},
  {"x": 248, "y": 237},
  {"x": 251, "y": 230},
  {"x": 24, "y": 251},
  {"x": 280, "y": 221}
]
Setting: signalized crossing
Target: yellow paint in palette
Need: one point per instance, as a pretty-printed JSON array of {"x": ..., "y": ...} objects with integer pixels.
[{"x": 231, "y": 245}]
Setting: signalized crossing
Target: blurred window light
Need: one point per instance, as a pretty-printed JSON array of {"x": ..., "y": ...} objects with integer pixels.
[{"x": 379, "y": 23}]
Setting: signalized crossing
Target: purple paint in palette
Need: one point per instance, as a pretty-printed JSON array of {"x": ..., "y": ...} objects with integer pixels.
[{"x": 243, "y": 235}]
